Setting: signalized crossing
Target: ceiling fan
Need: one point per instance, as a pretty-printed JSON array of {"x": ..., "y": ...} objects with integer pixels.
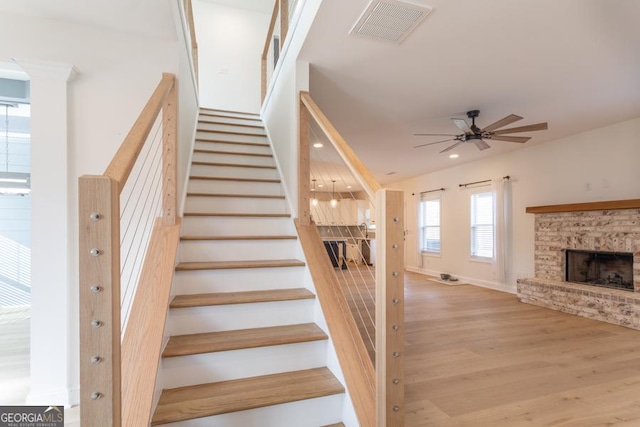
[{"x": 477, "y": 135}]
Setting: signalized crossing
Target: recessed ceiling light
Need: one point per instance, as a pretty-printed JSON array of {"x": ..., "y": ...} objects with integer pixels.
[
  {"x": 320, "y": 185},
  {"x": 391, "y": 173},
  {"x": 453, "y": 156},
  {"x": 318, "y": 145},
  {"x": 348, "y": 186}
]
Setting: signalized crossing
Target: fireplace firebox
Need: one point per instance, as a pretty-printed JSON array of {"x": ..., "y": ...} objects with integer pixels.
[{"x": 605, "y": 269}]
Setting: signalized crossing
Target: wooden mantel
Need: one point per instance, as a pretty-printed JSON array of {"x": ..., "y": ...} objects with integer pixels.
[{"x": 591, "y": 206}]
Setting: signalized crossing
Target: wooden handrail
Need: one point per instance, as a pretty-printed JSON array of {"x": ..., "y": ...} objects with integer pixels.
[
  {"x": 359, "y": 171},
  {"x": 265, "y": 50},
  {"x": 356, "y": 364},
  {"x": 124, "y": 159},
  {"x": 280, "y": 7},
  {"x": 102, "y": 355},
  {"x": 188, "y": 8}
]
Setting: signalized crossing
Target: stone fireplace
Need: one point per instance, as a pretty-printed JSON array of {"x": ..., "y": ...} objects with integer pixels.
[{"x": 587, "y": 261}]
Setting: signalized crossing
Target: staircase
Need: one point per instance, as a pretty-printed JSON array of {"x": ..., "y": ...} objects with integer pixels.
[{"x": 243, "y": 349}]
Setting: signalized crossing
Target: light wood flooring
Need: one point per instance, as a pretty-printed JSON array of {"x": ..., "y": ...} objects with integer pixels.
[{"x": 477, "y": 357}]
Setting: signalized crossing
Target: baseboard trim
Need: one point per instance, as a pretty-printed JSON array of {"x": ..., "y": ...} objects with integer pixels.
[
  {"x": 468, "y": 280},
  {"x": 66, "y": 397}
]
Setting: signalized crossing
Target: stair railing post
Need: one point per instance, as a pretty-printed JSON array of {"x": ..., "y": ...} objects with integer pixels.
[
  {"x": 304, "y": 168},
  {"x": 390, "y": 308},
  {"x": 99, "y": 280},
  {"x": 169, "y": 157}
]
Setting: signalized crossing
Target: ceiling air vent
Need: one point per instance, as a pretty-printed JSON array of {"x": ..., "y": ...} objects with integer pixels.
[{"x": 389, "y": 20}]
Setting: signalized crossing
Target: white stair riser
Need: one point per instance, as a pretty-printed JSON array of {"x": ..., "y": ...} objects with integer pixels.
[
  {"x": 196, "y": 320},
  {"x": 236, "y": 226},
  {"x": 240, "y": 148},
  {"x": 229, "y": 120},
  {"x": 205, "y": 125},
  {"x": 235, "y": 205},
  {"x": 238, "y": 114},
  {"x": 305, "y": 413},
  {"x": 230, "y": 365},
  {"x": 234, "y": 187},
  {"x": 231, "y": 250},
  {"x": 238, "y": 280},
  {"x": 233, "y": 172},
  {"x": 231, "y": 137},
  {"x": 233, "y": 158}
]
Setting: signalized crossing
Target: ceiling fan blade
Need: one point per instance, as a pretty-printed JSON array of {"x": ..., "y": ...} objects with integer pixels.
[
  {"x": 451, "y": 147},
  {"x": 432, "y": 143},
  {"x": 520, "y": 139},
  {"x": 481, "y": 144},
  {"x": 502, "y": 122},
  {"x": 529, "y": 128},
  {"x": 462, "y": 125},
  {"x": 434, "y": 134}
]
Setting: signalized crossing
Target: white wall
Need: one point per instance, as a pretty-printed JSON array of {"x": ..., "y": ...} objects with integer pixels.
[
  {"x": 117, "y": 74},
  {"x": 230, "y": 43},
  {"x": 280, "y": 109},
  {"x": 556, "y": 172}
]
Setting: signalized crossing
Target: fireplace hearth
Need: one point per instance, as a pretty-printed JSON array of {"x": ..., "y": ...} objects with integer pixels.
[
  {"x": 587, "y": 261},
  {"x": 598, "y": 268}
]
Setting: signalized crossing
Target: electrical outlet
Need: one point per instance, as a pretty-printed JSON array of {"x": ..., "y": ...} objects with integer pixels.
[{"x": 587, "y": 186}]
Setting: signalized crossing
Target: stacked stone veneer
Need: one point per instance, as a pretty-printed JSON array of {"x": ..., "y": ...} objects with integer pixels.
[{"x": 610, "y": 230}]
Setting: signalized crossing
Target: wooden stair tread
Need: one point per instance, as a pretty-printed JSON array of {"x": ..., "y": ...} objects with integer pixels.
[
  {"x": 232, "y": 132},
  {"x": 184, "y": 345},
  {"x": 225, "y": 265},
  {"x": 237, "y": 195},
  {"x": 233, "y": 153},
  {"x": 247, "y": 297},
  {"x": 244, "y": 125},
  {"x": 224, "y": 141},
  {"x": 274, "y": 237},
  {"x": 224, "y": 178},
  {"x": 232, "y": 165},
  {"x": 239, "y": 214},
  {"x": 218, "y": 110},
  {"x": 227, "y": 116},
  {"x": 205, "y": 400}
]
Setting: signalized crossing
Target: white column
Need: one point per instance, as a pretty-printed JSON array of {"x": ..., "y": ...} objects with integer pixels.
[{"x": 52, "y": 343}]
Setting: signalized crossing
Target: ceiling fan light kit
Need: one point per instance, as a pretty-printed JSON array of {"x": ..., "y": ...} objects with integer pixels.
[{"x": 472, "y": 133}]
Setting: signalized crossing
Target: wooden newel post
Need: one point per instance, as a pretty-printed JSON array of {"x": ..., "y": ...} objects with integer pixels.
[
  {"x": 390, "y": 308},
  {"x": 304, "y": 168},
  {"x": 99, "y": 256}
]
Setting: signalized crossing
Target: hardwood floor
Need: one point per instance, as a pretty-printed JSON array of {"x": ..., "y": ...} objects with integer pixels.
[
  {"x": 477, "y": 357},
  {"x": 14, "y": 361}
]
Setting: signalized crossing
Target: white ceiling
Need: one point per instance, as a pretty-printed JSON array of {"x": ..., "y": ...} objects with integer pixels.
[
  {"x": 151, "y": 18},
  {"x": 572, "y": 63}
]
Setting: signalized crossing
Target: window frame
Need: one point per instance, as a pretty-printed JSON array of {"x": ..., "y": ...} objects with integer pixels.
[
  {"x": 422, "y": 226},
  {"x": 473, "y": 220}
]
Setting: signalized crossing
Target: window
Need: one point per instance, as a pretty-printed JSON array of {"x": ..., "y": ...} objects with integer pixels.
[
  {"x": 482, "y": 225},
  {"x": 430, "y": 225}
]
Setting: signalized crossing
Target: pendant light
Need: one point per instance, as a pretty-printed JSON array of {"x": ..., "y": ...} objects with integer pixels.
[
  {"x": 334, "y": 202},
  {"x": 314, "y": 199}
]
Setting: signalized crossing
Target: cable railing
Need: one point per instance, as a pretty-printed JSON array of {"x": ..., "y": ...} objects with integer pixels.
[
  {"x": 352, "y": 233},
  {"x": 128, "y": 233},
  {"x": 193, "y": 42},
  {"x": 276, "y": 34}
]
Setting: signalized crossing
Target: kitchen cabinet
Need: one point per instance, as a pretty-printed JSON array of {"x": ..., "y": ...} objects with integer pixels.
[{"x": 345, "y": 213}]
